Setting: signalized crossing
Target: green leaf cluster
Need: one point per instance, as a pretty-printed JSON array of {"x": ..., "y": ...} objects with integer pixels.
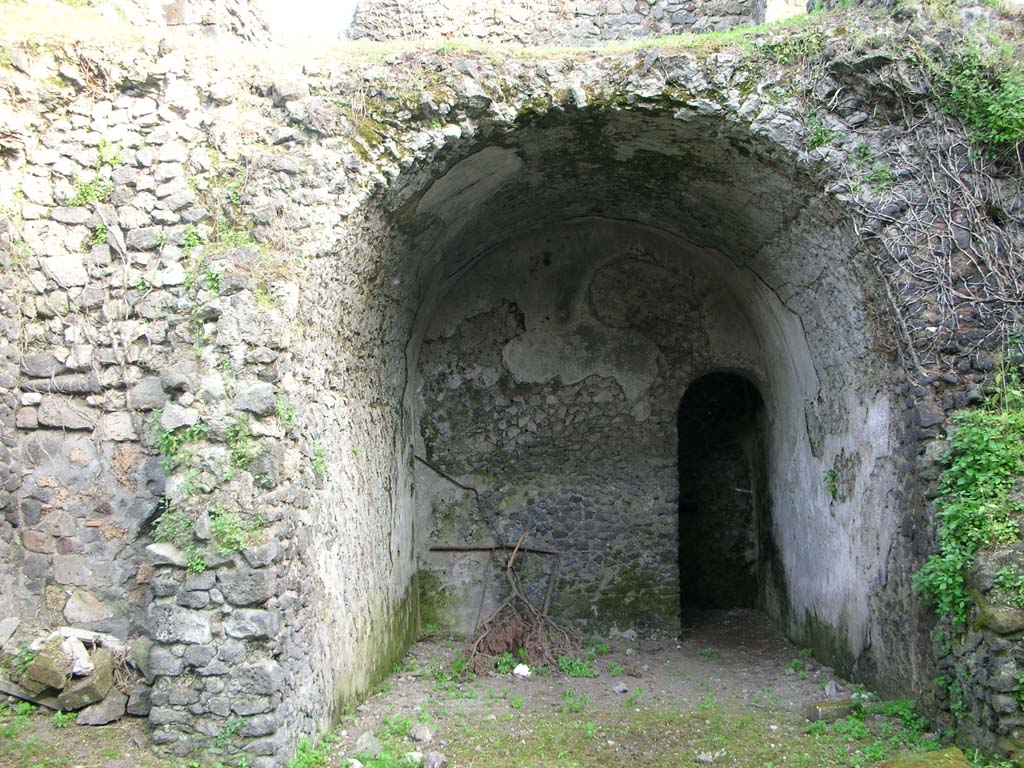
[
  {"x": 974, "y": 508},
  {"x": 987, "y": 90}
]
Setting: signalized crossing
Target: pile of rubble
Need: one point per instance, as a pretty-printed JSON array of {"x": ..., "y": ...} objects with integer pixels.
[{"x": 74, "y": 670}]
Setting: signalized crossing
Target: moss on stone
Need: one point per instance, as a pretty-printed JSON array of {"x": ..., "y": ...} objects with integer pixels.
[
  {"x": 435, "y": 601},
  {"x": 827, "y": 641},
  {"x": 384, "y": 645},
  {"x": 638, "y": 597}
]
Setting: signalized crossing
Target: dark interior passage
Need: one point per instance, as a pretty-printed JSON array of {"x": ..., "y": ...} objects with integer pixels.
[{"x": 719, "y": 470}]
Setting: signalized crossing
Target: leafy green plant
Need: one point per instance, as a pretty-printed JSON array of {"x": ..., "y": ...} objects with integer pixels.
[
  {"x": 309, "y": 756},
  {"x": 170, "y": 443},
  {"x": 505, "y": 663},
  {"x": 974, "y": 507},
  {"x": 987, "y": 90},
  {"x": 285, "y": 412},
  {"x": 818, "y": 134},
  {"x": 615, "y": 669},
  {"x": 573, "y": 702},
  {"x": 1010, "y": 581},
  {"x": 850, "y": 728},
  {"x": 230, "y": 730},
  {"x": 21, "y": 660},
  {"x": 243, "y": 448},
  {"x": 516, "y": 702},
  {"x": 576, "y": 667},
  {"x": 196, "y": 561},
  {"x": 397, "y": 725},
  {"x": 98, "y": 236},
  {"x": 173, "y": 525},
  {"x": 706, "y": 653},
  {"x": 319, "y": 460},
  {"x": 634, "y": 698},
  {"x": 229, "y": 531},
  {"x": 880, "y": 176},
  {"x": 1018, "y": 691},
  {"x": 94, "y": 191}
]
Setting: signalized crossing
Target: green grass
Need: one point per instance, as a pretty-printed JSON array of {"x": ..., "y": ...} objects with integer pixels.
[{"x": 663, "y": 738}]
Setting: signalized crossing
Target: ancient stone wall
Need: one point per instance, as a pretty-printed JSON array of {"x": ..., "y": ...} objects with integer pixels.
[
  {"x": 549, "y": 22},
  {"x": 223, "y": 285}
]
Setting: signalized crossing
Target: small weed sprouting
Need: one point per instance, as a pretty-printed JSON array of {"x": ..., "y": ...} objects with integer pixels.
[
  {"x": 21, "y": 660},
  {"x": 230, "y": 730},
  {"x": 109, "y": 153},
  {"x": 818, "y": 134},
  {"x": 62, "y": 719},
  {"x": 832, "y": 482},
  {"x": 880, "y": 177},
  {"x": 615, "y": 669},
  {"x": 573, "y": 667},
  {"x": 285, "y": 412},
  {"x": 1009, "y": 581},
  {"x": 229, "y": 531},
  {"x": 170, "y": 443},
  {"x": 634, "y": 698},
  {"x": 505, "y": 663},
  {"x": 397, "y": 725},
  {"x": 173, "y": 525},
  {"x": 98, "y": 236},
  {"x": 196, "y": 561},
  {"x": 243, "y": 448},
  {"x": 706, "y": 653},
  {"x": 319, "y": 460},
  {"x": 574, "y": 703},
  {"x": 95, "y": 191}
]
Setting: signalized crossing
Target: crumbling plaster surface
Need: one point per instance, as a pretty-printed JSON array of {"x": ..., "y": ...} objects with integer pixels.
[
  {"x": 702, "y": 154},
  {"x": 693, "y": 311}
]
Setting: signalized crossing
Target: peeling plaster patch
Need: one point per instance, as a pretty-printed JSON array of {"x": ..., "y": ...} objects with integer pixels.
[{"x": 572, "y": 354}]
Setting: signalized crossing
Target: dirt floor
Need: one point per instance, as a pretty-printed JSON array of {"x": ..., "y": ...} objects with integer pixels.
[{"x": 733, "y": 692}]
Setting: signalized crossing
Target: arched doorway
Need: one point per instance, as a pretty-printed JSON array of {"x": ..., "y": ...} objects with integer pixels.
[{"x": 723, "y": 515}]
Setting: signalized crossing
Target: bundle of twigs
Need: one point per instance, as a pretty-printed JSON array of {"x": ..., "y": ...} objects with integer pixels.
[{"x": 517, "y": 624}]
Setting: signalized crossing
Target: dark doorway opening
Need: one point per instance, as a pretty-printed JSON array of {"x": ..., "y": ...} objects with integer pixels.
[{"x": 722, "y": 512}]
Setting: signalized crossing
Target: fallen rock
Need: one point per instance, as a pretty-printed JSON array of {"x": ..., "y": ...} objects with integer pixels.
[
  {"x": 51, "y": 667},
  {"x": 621, "y": 688},
  {"x": 367, "y": 745},
  {"x": 88, "y": 690},
  {"x": 107, "y": 711},
  {"x": 421, "y": 732},
  {"x": 434, "y": 760}
]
